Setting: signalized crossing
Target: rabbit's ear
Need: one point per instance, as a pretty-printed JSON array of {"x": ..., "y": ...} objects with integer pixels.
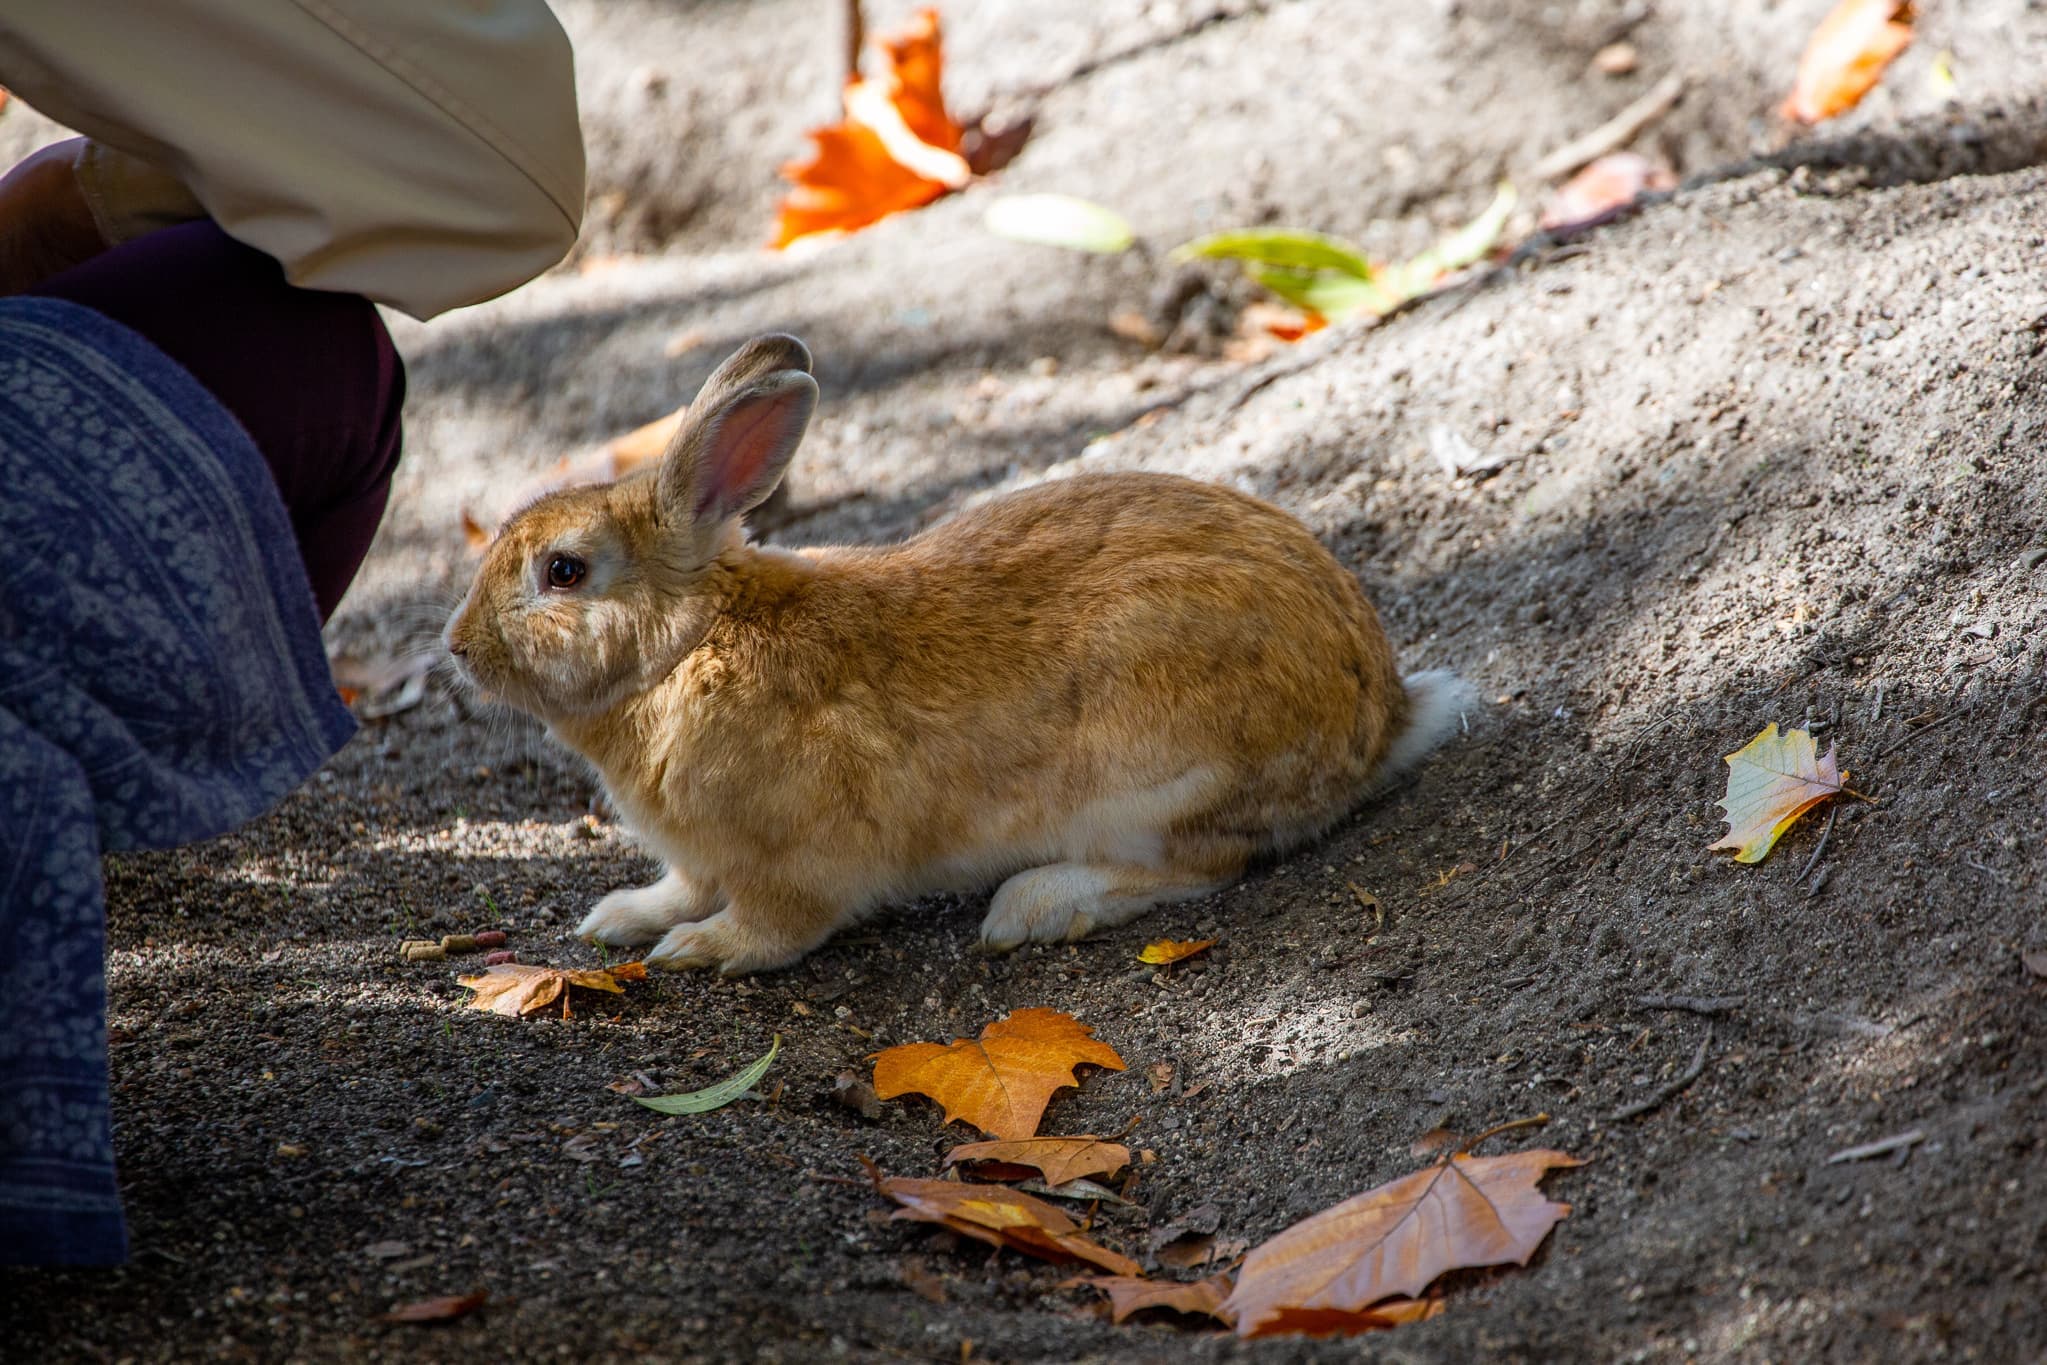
[{"x": 739, "y": 435}]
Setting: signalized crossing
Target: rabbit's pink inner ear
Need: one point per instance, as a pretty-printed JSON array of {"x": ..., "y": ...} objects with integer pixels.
[{"x": 752, "y": 445}]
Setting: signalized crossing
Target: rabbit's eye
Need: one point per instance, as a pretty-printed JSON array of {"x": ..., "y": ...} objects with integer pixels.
[{"x": 565, "y": 571}]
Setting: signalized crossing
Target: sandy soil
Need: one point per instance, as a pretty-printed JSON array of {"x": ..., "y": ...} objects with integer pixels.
[{"x": 1770, "y": 449}]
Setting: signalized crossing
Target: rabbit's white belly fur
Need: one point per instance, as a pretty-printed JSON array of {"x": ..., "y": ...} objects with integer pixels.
[{"x": 1126, "y": 829}]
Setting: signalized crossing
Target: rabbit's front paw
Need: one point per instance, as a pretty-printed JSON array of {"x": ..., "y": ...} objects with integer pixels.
[
  {"x": 642, "y": 914},
  {"x": 728, "y": 943}
]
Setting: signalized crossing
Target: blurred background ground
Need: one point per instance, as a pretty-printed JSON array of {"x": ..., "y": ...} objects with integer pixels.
[{"x": 1768, "y": 450}]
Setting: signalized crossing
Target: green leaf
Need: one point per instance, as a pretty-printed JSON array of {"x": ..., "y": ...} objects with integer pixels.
[
  {"x": 719, "y": 1095},
  {"x": 1327, "y": 292},
  {"x": 1461, "y": 248},
  {"x": 1059, "y": 220},
  {"x": 1287, "y": 247}
]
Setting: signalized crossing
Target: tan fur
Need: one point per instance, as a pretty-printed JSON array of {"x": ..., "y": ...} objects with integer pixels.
[{"x": 1112, "y": 690}]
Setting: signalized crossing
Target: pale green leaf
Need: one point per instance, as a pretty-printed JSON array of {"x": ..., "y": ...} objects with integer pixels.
[
  {"x": 1466, "y": 246},
  {"x": 719, "y": 1095},
  {"x": 1333, "y": 295},
  {"x": 1059, "y": 220},
  {"x": 1286, "y": 247}
]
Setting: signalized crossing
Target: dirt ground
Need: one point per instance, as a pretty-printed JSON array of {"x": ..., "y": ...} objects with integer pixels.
[{"x": 1772, "y": 449}]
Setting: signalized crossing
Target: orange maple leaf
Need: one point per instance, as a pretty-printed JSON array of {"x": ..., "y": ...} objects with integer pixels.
[
  {"x": 897, "y": 149},
  {"x": 1002, "y": 1218},
  {"x": 1846, "y": 57},
  {"x": 1058, "y": 1159},
  {"x": 1002, "y": 1081},
  {"x": 516, "y": 988},
  {"x": 1340, "y": 1265}
]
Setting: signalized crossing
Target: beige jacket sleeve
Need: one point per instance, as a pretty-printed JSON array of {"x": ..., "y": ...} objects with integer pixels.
[{"x": 424, "y": 153}]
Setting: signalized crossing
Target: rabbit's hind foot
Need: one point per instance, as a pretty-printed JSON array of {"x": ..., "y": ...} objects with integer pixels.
[
  {"x": 642, "y": 914},
  {"x": 1060, "y": 902}
]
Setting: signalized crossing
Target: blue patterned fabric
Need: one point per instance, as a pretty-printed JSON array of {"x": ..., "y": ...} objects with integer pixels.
[{"x": 161, "y": 680}]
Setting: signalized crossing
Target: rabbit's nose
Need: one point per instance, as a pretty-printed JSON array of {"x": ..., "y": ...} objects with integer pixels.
[{"x": 457, "y": 646}]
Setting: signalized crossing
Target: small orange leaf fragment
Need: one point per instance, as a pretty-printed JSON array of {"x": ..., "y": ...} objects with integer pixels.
[
  {"x": 1331, "y": 1322},
  {"x": 1002, "y": 1081},
  {"x": 897, "y": 149},
  {"x": 1846, "y": 57},
  {"x": 438, "y": 1310},
  {"x": 1392, "y": 1242},
  {"x": 1174, "y": 950},
  {"x": 1003, "y": 1218},
  {"x": 1131, "y": 1294},
  {"x": 1771, "y": 781},
  {"x": 1058, "y": 1159}
]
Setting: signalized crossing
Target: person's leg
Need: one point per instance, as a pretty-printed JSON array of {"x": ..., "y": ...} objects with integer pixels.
[{"x": 311, "y": 376}]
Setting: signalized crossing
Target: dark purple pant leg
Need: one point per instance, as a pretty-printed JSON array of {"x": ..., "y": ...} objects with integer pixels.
[{"x": 312, "y": 376}]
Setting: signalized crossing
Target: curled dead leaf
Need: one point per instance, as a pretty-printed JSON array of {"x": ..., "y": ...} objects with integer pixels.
[
  {"x": 517, "y": 988},
  {"x": 1003, "y": 1218}
]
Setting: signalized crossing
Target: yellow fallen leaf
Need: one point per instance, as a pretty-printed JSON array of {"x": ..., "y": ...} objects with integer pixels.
[
  {"x": 1771, "y": 781},
  {"x": 1171, "y": 950}
]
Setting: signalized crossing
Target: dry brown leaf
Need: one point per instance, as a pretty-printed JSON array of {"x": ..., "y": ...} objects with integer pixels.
[
  {"x": 1058, "y": 1159},
  {"x": 897, "y": 149},
  {"x": 1174, "y": 950},
  {"x": 1003, "y": 1218},
  {"x": 1002, "y": 1081},
  {"x": 1132, "y": 1294},
  {"x": 1771, "y": 781},
  {"x": 1395, "y": 1240},
  {"x": 1328, "y": 1322},
  {"x": 438, "y": 1310},
  {"x": 1846, "y": 57},
  {"x": 517, "y": 988}
]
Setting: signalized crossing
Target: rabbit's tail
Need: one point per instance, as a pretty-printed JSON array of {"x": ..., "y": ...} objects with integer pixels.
[{"x": 1437, "y": 702}]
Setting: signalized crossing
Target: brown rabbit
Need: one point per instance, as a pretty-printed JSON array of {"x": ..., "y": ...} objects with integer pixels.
[{"x": 1105, "y": 692}]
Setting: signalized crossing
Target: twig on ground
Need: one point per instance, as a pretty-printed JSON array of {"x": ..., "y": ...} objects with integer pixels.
[
  {"x": 1675, "y": 1088},
  {"x": 1615, "y": 133},
  {"x": 1532, "y": 1121},
  {"x": 856, "y": 38},
  {"x": 1881, "y": 1147},
  {"x": 1930, "y": 726},
  {"x": 1695, "y": 1004},
  {"x": 1826, "y": 834}
]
